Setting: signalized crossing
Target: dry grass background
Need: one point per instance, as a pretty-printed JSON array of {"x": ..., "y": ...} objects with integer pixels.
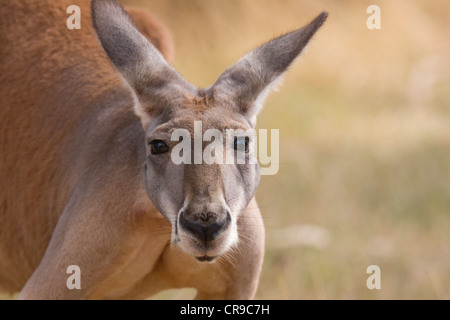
[{"x": 364, "y": 119}]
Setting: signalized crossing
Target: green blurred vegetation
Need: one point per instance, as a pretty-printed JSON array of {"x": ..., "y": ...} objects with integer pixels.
[{"x": 364, "y": 119}]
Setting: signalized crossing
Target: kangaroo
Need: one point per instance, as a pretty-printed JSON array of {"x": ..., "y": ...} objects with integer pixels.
[{"x": 86, "y": 120}]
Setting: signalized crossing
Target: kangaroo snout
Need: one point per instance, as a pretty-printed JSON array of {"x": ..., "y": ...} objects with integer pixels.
[{"x": 205, "y": 231}]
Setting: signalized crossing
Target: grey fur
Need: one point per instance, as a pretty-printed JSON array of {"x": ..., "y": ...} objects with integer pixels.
[
  {"x": 240, "y": 86},
  {"x": 244, "y": 82},
  {"x": 137, "y": 60}
]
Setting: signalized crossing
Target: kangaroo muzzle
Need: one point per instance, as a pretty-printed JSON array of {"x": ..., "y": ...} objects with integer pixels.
[{"x": 205, "y": 230}]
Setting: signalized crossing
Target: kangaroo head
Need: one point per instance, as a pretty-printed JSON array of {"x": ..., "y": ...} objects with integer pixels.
[{"x": 200, "y": 197}]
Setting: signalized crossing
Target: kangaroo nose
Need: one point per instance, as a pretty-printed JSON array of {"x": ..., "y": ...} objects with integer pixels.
[{"x": 205, "y": 230}]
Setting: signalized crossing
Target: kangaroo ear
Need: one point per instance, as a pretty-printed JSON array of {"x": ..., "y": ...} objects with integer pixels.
[
  {"x": 247, "y": 83},
  {"x": 154, "y": 82}
]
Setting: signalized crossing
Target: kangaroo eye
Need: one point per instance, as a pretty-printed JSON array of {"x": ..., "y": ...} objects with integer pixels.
[
  {"x": 158, "y": 147},
  {"x": 241, "y": 144}
]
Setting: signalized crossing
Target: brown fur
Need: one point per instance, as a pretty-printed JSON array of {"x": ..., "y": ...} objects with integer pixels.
[
  {"x": 71, "y": 151},
  {"x": 83, "y": 115}
]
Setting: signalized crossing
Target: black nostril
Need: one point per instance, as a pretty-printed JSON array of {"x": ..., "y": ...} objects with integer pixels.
[
  {"x": 212, "y": 230},
  {"x": 207, "y": 232}
]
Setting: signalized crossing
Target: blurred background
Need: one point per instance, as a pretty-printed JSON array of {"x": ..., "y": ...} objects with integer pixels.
[{"x": 364, "y": 119}]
